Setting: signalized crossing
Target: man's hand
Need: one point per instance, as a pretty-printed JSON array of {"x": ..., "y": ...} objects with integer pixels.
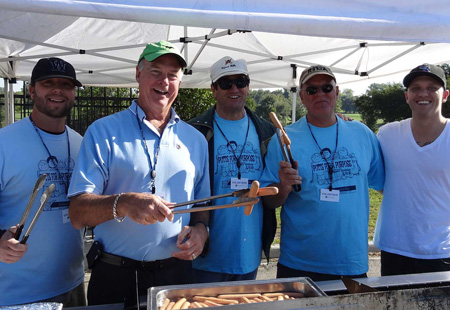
[
  {"x": 288, "y": 176},
  {"x": 144, "y": 208},
  {"x": 344, "y": 117},
  {"x": 191, "y": 241},
  {"x": 11, "y": 251}
]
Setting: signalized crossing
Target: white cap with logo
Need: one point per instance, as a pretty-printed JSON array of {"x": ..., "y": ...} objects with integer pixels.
[{"x": 227, "y": 66}]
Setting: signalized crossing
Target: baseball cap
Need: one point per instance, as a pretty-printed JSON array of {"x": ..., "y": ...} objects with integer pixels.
[
  {"x": 158, "y": 49},
  {"x": 432, "y": 71},
  {"x": 53, "y": 67},
  {"x": 227, "y": 66},
  {"x": 313, "y": 71}
]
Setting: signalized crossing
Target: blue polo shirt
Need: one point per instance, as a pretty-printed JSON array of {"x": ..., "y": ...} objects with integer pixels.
[{"x": 113, "y": 159}]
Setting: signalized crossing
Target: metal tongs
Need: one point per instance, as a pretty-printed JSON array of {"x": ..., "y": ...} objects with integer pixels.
[
  {"x": 285, "y": 144},
  {"x": 247, "y": 199},
  {"x": 37, "y": 186},
  {"x": 44, "y": 198}
]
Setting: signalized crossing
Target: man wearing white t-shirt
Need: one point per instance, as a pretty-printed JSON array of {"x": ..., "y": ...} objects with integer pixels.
[{"x": 413, "y": 225}]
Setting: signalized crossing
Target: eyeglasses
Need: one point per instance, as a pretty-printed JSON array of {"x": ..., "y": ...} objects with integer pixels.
[
  {"x": 312, "y": 90},
  {"x": 226, "y": 84}
]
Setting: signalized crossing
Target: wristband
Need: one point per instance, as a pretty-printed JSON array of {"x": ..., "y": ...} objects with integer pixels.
[{"x": 118, "y": 219}]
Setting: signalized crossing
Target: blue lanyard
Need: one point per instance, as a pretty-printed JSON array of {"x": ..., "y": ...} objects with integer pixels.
[
  {"x": 322, "y": 151},
  {"x": 238, "y": 159},
  {"x": 152, "y": 168},
  {"x": 53, "y": 159}
]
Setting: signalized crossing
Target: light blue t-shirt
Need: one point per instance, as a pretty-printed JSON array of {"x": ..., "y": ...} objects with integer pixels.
[
  {"x": 319, "y": 236},
  {"x": 113, "y": 160},
  {"x": 235, "y": 239},
  {"x": 53, "y": 264}
]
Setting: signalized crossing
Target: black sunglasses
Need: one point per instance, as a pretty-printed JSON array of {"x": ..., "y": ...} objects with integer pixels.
[
  {"x": 226, "y": 84},
  {"x": 326, "y": 88}
]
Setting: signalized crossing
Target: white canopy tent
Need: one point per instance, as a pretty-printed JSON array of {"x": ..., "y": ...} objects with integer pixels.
[{"x": 363, "y": 41}]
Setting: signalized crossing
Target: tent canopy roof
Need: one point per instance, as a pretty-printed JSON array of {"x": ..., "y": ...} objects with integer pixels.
[{"x": 364, "y": 42}]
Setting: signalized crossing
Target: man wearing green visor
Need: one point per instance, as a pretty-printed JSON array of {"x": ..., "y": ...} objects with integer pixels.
[{"x": 132, "y": 165}]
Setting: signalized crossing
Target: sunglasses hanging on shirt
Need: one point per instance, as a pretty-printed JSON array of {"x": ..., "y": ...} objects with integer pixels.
[
  {"x": 226, "y": 84},
  {"x": 312, "y": 90}
]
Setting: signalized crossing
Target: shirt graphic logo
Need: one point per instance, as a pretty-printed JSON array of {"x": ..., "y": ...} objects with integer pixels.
[
  {"x": 58, "y": 199},
  {"x": 345, "y": 166},
  {"x": 225, "y": 162}
]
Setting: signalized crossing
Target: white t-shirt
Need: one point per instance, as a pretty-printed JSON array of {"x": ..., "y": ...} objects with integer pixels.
[{"x": 414, "y": 218}]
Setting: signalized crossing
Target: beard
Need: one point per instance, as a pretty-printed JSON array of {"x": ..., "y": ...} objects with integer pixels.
[{"x": 54, "y": 112}]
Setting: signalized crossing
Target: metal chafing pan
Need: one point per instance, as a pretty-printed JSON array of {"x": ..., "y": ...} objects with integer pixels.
[{"x": 156, "y": 295}]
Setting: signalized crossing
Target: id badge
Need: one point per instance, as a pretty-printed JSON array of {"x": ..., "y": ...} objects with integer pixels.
[
  {"x": 241, "y": 183},
  {"x": 330, "y": 196}
]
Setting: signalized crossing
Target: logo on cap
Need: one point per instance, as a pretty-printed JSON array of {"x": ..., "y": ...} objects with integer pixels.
[
  {"x": 318, "y": 68},
  {"x": 424, "y": 68},
  {"x": 58, "y": 65}
]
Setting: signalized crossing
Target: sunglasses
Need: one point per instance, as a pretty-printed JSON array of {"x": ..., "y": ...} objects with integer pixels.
[
  {"x": 326, "y": 88},
  {"x": 226, "y": 84}
]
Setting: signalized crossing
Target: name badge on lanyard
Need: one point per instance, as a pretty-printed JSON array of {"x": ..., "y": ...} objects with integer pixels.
[
  {"x": 241, "y": 183},
  {"x": 330, "y": 196}
]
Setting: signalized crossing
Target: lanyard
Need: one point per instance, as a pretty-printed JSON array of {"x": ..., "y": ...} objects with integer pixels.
[
  {"x": 322, "y": 151},
  {"x": 229, "y": 145},
  {"x": 53, "y": 159},
  {"x": 152, "y": 168}
]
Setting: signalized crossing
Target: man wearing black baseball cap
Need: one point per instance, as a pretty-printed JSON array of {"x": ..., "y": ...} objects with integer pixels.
[
  {"x": 49, "y": 267},
  {"x": 412, "y": 227}
]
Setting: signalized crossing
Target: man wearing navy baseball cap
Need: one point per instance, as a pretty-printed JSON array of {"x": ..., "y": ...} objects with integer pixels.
[
  {"x": 412, "y": 227},
  {"x": 49, "y": 267},
  {"x": 53, "y": 67}
]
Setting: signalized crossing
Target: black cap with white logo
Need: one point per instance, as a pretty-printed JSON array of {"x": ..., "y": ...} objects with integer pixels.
[{"x": 47, "y": 68}]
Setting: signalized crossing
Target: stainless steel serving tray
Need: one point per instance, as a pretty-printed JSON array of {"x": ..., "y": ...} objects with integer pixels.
[{"x": 156, "y": 295}]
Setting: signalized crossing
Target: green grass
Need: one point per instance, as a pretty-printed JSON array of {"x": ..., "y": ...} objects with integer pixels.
[{"x": 375, "y": 201}]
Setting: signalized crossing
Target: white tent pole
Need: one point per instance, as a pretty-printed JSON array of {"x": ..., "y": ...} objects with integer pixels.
[
  {"x": 396, "y": 57},
  {"x": 200, "y": 50},
  {"x": 294, "y": 105},
  {"x": 11, "y": 103},
  {"x": 6, "y": 98},
  {"x": 294, "y": 91}
]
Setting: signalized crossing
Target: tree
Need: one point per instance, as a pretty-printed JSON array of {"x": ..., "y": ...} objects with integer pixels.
[
  {"x": 446, "y": 105},
  {"x": 347, "y": 101},
  {"x": 383, "y": 101},
  {"x": 369, "y": 115},
  {"x": 192, "y": 102}
]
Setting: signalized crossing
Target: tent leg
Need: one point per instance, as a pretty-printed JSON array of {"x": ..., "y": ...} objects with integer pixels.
[
  {"x": 294, "y": 104},
  {"x": 11, "y": 102},
  {"x": 6, "y": 99}
]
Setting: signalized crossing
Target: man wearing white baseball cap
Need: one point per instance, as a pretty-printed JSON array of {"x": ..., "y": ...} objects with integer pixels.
[{"x": 237, "y": 140}]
